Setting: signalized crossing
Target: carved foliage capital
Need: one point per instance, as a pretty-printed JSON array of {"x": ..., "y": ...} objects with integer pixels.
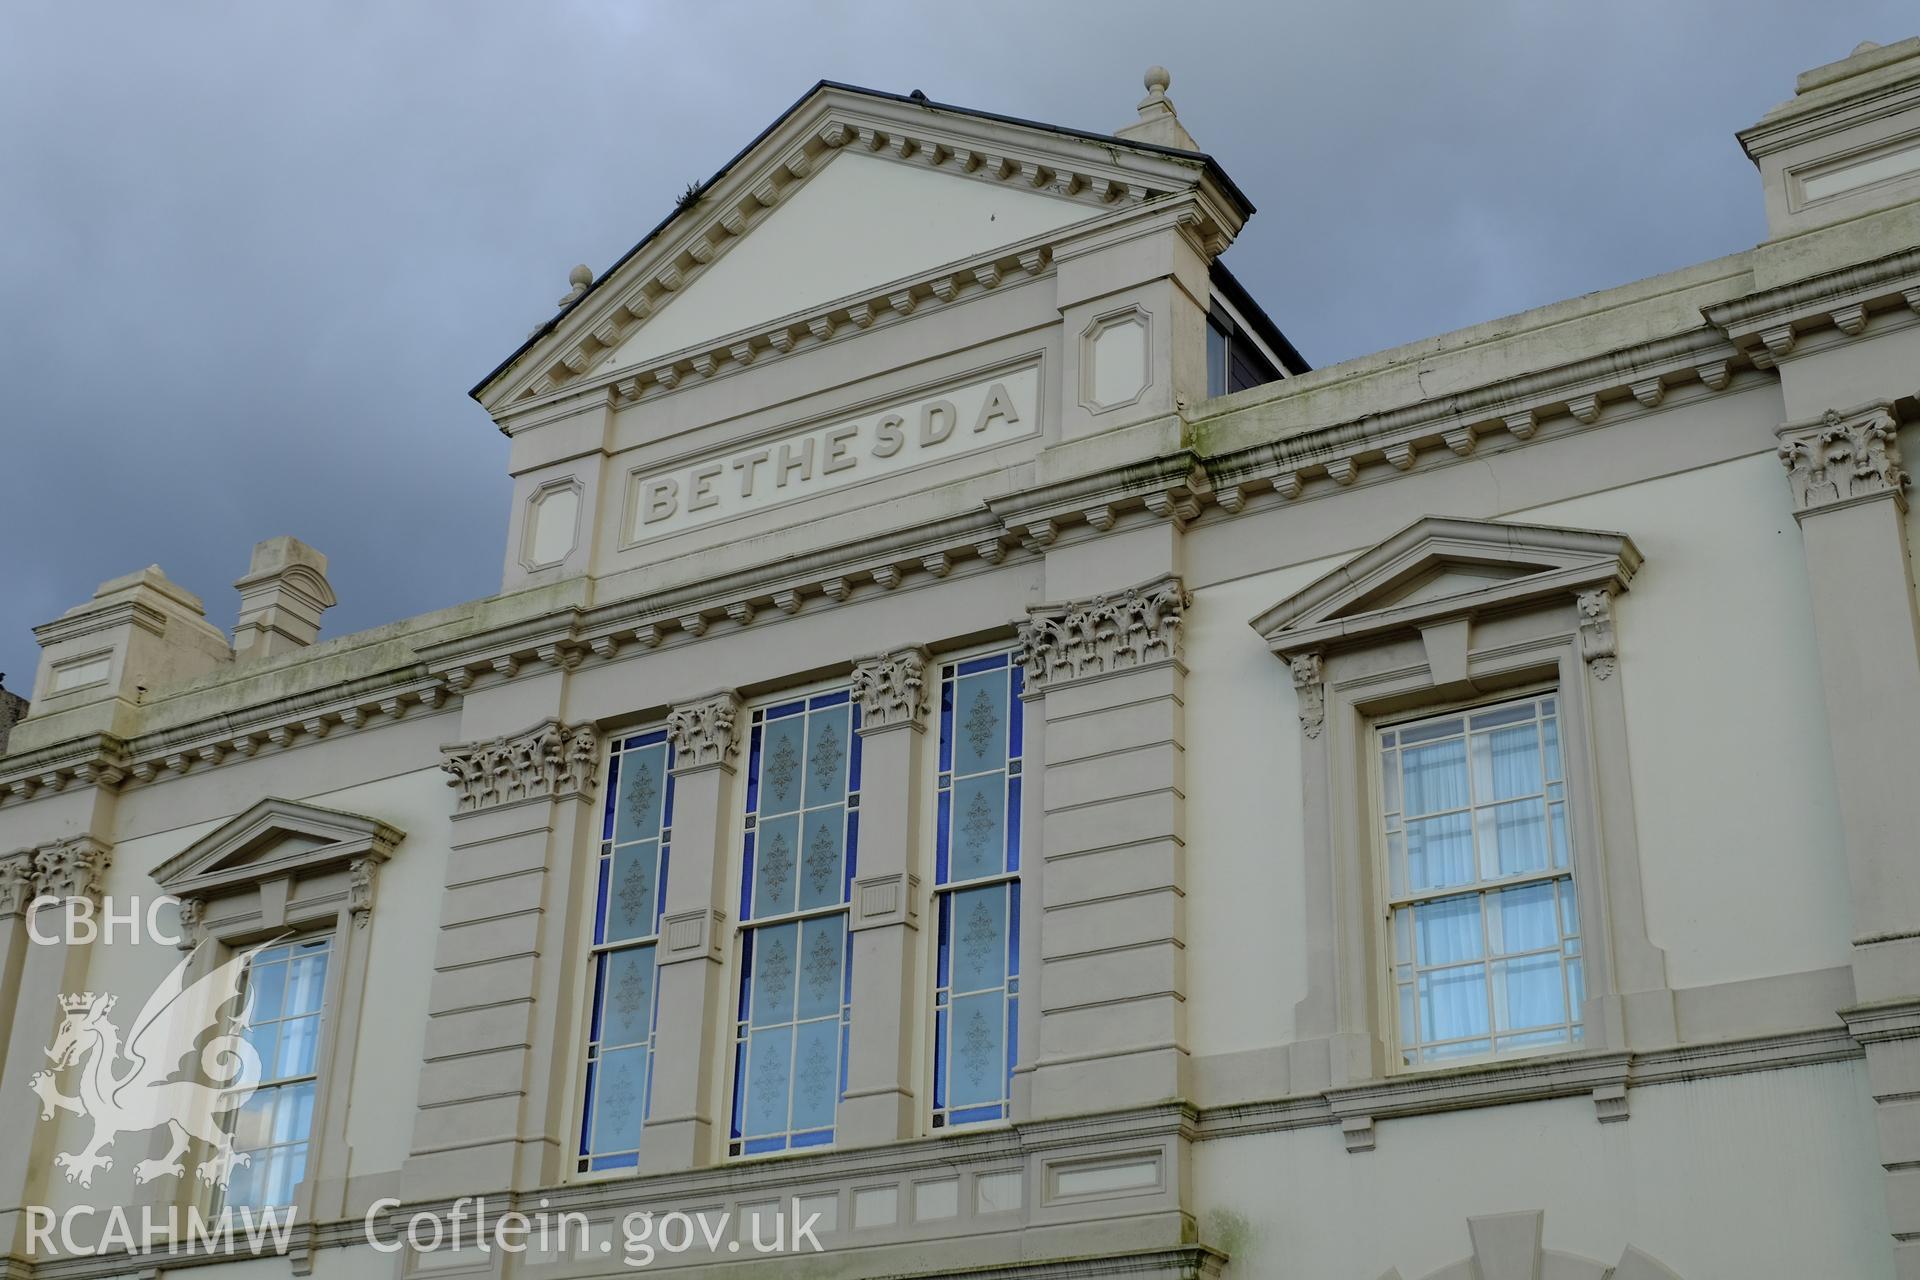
[
  {"x": 1108, "y": 633},
  {"x": 71, "y": 868},
  {"x": 546, "y": 761},
  {"x": 1840, "y": 457},
  {"x": 891, "y": 689},
  {"x": 705, "y": 732},
  {"x": 16, "y": 884}
]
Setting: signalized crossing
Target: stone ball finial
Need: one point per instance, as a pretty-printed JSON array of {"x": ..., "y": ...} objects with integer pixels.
[
  {"x": 1157, "y": 80},
  {"x": 581, "y": 276}
]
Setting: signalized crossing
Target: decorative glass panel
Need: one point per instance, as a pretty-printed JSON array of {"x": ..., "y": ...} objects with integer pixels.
[
  {"x": 977, "y": 890},
  {"x": 286, "y": 987},
  {"x": 802, "y": 839},
  {"x": 630, "y": 893},
  {"x": 1486, "y": 936}
]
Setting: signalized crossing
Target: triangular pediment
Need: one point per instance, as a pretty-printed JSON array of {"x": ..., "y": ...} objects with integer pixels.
[
  {"x": 844, "y": 200},
  {"x": 1443, "y": 567},
  {"x": 273, "y": 839},
  {"x": 863, "y": 221}
]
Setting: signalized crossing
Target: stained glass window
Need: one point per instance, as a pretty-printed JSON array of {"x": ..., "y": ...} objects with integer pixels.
[
  {"x": 636, "y": 837},
  {"x": 1486, "y": 929},
  {"x": 286, "y": 989},
  {"x": 802, "y": 835},
  {"x": 977, "y": 890}
]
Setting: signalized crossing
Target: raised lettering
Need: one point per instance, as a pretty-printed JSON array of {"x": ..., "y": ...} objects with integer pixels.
[
  {"x": 838, "y": 459},
  {"x": 889, "y": 435},
  {"x": 790, "y": 463},
  {"x": 999, "y": 405},
  {"x": 936, "y": 422},
  {"x": 745, "y": 464},
  {"x": 700, "y": 494},
  {"x": 660, "y": 500}
]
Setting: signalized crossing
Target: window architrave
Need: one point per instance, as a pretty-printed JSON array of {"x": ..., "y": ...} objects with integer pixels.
[
  {"x": 286, "y": 869},
  {"x": 1452, "y": 612}
]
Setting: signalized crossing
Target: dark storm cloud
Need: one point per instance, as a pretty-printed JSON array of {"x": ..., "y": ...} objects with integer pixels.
[{"x": 252, "y": 255}]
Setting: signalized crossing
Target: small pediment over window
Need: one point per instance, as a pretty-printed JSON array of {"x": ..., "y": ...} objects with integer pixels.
[
  {"x": 275, "y": 840},
  {"x": 1441, "y": 568}
]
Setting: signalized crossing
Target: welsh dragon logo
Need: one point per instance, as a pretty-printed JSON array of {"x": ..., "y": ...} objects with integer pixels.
[{"x": 132, "y": 1088}]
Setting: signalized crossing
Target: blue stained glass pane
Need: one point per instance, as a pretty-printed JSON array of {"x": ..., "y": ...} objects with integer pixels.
[
  {"x": 775, "y": 962},
  {"x": 946, "y": 724},
  {"x": 991, "y": 662},
  {"x": 666, "y": 816},
  {"x": 627, "y": 1012},
  {"x": 946, "y": 933},
  {"x": 1016, "y": 711},
  {"x": 940, "y": 1059},
  {"x": 820, "y": 854},
  {"x": 769, "y": 1073},
  {"x": 826, "y": 765},
  {"x": 853, "y": 768},
  {"x": 979, "y": 938},
  {"x": 776, "y": 865},
  {"x": 816, "y": 1071},
  {"x": 620, "y": 1108},
  {"x": 600, "y": 903},
  {"x": 979, "y": 827},
  {"x": 853, "y": 855},
  {"x": 627, "y": 1161},
  {"x": 1013, "y": 1034},
  {"x": 1013, "y": 932},
  {"x": 613, "y": 797},
  {"x": 586, "y": 1125},
  {"x": 943, "y": 839},
  {"x": 753, "y": 771},
  {"x": 739, "y": 1086},
  {"x": 746, "y": 877},
  {"x": 599, "y": 981},
  {"x": 631, "y": 893},
  {"x": 980, "y": 723},
  {"x": 782, "y": 757},
  {"x": 786, "y": 709},
  {"x": 643, "y": 786},
  {"x": 839, "y": 697},
  {"x": 978, "y": 1035},
  {"x": 660, "y": 896},
  {"x": 1013, "y": 824},
  {"x": 823, "y": 946}
]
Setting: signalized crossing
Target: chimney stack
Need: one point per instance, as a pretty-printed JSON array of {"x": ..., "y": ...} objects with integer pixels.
[{"x": 281, "y": 599}]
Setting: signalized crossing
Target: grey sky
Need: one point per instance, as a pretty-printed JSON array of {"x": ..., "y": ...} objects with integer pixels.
[{"x": 252, "y": 255}]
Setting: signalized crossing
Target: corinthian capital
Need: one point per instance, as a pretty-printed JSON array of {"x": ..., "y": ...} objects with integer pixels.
[
  {"x": 1843, "y": 457},
  {"x": 16, "y": 884},
  {"x": 546, "y": 761},
  {"x": 704, "y": 732},
  {"x": 1062, "y": 642},
  {"x": 891, "y": 689},
  {"x": 71, "y": 868}
]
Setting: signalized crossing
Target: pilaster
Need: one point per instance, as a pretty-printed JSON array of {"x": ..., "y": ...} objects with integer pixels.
[
  {"x": 881, "y": 1103},
  {"x": 1112, "y": 1022},
  {"x": 41, "y": 972},
  {"x": 679, "y": 1133},
  {"x": 489, "y": 1115},
  {"x": 1849, "y": 496}
]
